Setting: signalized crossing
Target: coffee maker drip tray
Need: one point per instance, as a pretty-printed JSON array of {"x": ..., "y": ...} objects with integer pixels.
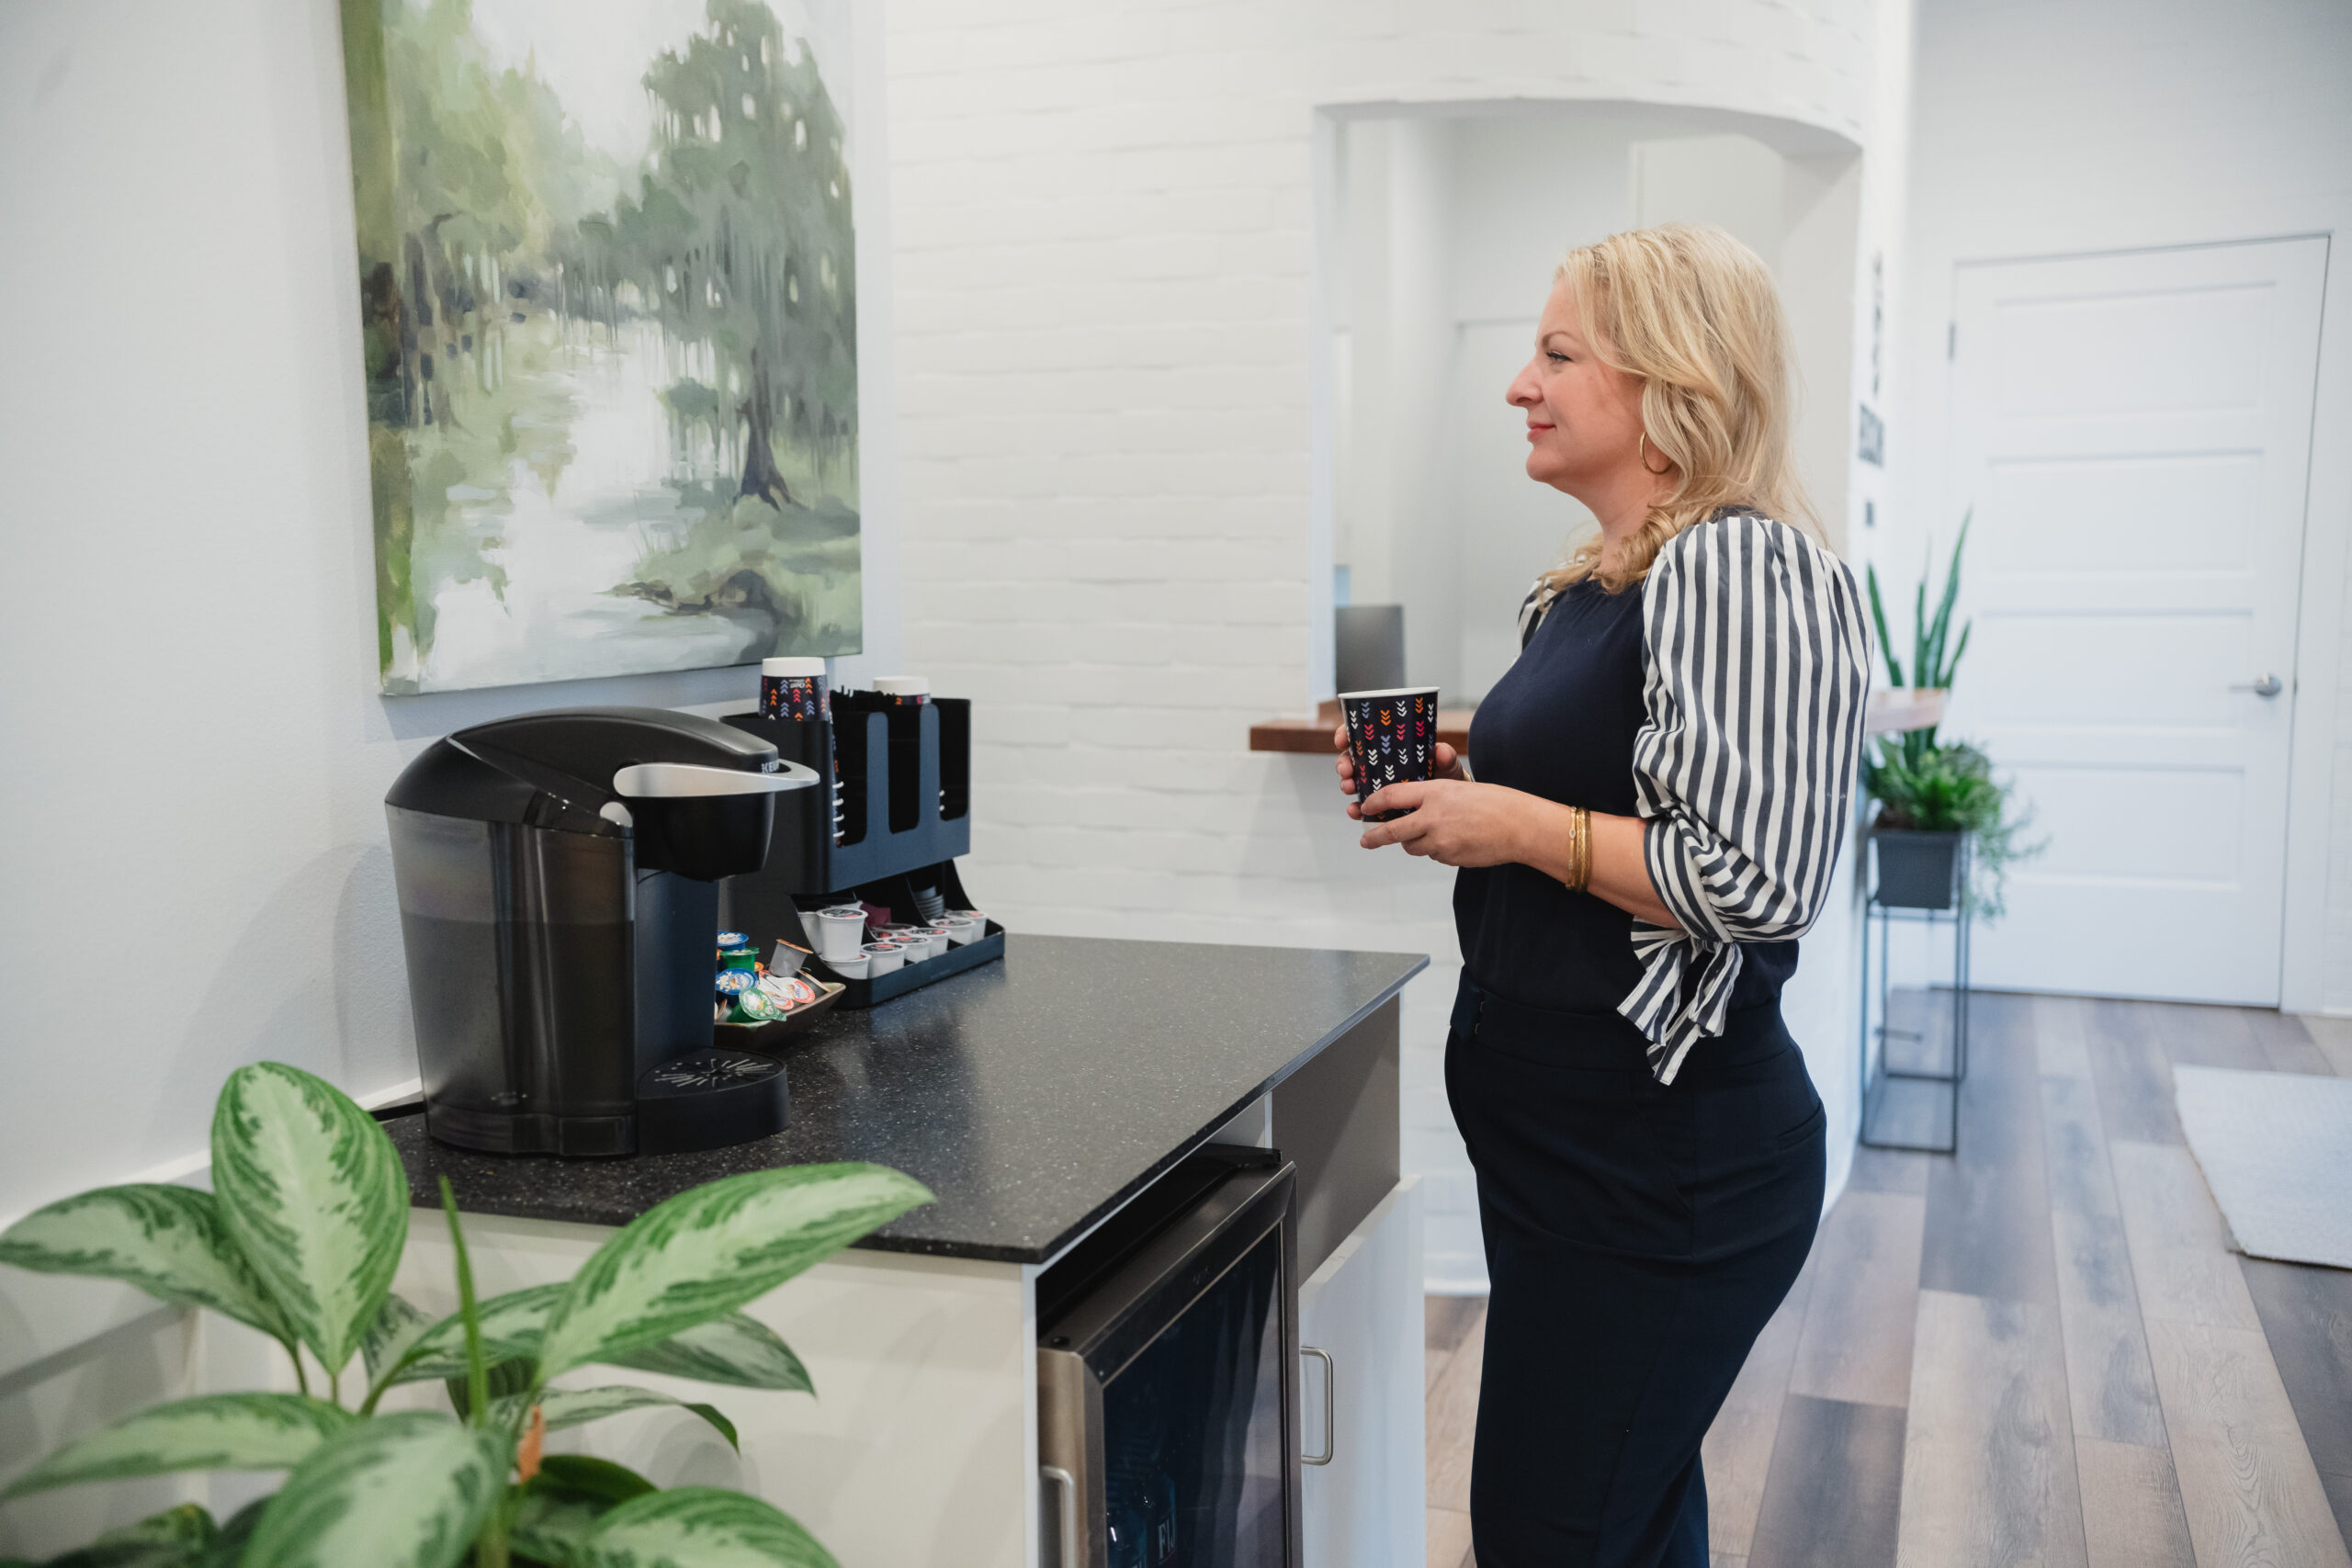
[{"x": 710, "y": 1100}]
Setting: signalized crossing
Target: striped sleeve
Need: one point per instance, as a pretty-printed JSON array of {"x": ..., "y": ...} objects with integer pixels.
[{"x": 1756, "y": 663}]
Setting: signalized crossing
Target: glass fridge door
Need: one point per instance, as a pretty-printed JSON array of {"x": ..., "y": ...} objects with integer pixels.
[{"x": 1194, "y": 1467}]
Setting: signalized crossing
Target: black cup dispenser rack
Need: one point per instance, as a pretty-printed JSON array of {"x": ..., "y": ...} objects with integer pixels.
[{"x": 905, "y": 778}]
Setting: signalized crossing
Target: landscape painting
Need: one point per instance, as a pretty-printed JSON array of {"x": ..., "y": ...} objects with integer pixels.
[{"x": 608, "y": 291}]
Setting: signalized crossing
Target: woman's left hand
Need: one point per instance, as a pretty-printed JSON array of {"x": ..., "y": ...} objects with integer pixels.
[{"x": 1452, "y": 821}]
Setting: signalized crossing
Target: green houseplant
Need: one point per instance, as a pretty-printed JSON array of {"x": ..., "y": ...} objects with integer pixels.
[
  {"x": 1932, "y": 795},
  {"x": 300, "y": 1238}
]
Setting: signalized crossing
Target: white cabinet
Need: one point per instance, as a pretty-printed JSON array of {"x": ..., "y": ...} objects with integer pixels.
[{"x": 1363, "y": 1309}]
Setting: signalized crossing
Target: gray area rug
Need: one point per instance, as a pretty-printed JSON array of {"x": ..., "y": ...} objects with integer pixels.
[{"x": 2277, "y": 1150}]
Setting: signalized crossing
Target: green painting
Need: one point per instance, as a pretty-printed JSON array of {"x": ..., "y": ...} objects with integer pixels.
[{"x": 608, "y": 291}]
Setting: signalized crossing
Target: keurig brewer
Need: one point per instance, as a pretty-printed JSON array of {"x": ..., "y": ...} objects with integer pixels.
[{"x": 558, "y": 876}]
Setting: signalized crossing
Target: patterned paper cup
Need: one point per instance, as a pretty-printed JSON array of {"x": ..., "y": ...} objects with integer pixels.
[
  {"x": 794, "y": 689},
  {"x": 1392, "y": 736}
]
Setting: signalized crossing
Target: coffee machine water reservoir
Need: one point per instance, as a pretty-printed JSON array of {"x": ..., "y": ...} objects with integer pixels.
[{"x": 558, "y": 878}]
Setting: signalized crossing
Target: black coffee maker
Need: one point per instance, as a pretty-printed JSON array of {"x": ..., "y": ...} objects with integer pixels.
[{"x": 558, "y": 878}]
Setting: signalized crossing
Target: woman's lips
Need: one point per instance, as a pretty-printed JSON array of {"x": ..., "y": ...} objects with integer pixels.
[{"x": 1535, "y": 430}]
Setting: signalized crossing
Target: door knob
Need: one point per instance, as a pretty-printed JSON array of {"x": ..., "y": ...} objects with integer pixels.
[{"x": 2269, "y": 686}]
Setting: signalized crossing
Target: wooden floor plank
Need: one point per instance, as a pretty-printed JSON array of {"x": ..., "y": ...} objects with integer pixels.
[
  {"x": 1445, "y": 1321},
  {"x": 2131, "y": 1513},
  {"x": 2134, "y": 1077},
  {"x": 1448, "y": 1539},
  {"x": 2181, "y": 1266},
  {"x": 2252, "y": 1496},
  {"x": 2110, "y": 1389},
  {"x": 1889, "y": 1170},
  {"x": 2288, "y": 1043},
  {"x": 1737, "y": 1453},
  {"x": 2061, "y": 1036},
  {"x": 1855, "y": 1344},
  {"x": 1835, "y": 1496},
  {"x": 2307, "y": 1317},
  {"x": 1988, "y": 1209},
  {"x": 1451, "y": 1418},
  {"x": 2210, "y": 1037},
  {"x": 2334, "y": 1038},
  {"x": 1988, "y": 1461}
]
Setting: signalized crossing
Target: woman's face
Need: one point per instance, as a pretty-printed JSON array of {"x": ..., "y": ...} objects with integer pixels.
[{"x": 1584, "y": 419}]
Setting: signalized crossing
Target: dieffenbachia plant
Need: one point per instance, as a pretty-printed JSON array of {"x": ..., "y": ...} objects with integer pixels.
[{"x": 300, "y": 1237}]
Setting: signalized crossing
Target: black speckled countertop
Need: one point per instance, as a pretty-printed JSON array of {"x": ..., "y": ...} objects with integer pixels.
[{"x": 1033, "y": 1095}]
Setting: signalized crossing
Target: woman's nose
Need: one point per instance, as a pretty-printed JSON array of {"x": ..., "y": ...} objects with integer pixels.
[{"x": 1523, "y": 392}]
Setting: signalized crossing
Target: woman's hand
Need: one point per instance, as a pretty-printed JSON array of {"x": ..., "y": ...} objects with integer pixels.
[
  {"x": 1454, "y": 821},
  {"x": 1449, "y": 766}
]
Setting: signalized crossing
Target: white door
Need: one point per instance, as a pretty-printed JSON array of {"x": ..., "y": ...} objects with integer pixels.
[{"x": 2134, "y": 432}]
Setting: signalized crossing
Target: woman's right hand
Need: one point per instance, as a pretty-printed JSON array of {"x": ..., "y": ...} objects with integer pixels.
[{"x": 1449, "y": 766}]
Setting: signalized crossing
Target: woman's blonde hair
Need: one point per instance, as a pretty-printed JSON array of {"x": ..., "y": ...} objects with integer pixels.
[{"x": 1694, "y": 314}]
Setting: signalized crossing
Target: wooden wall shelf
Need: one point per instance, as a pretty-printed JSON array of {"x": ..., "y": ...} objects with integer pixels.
[
  {"x": 1313, "y": 736},
  {"x": 1889, "y": 710}
]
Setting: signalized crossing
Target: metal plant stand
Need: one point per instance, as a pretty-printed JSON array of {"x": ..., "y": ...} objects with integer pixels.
[{"x": 1879, "y": 1075}]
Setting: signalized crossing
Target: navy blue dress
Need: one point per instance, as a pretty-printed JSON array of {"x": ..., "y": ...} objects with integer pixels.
[{"x": 1639, "y": 1233}]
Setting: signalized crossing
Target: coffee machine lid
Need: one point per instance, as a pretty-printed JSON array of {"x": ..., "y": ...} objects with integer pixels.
[{"x": 572, "y": 754}]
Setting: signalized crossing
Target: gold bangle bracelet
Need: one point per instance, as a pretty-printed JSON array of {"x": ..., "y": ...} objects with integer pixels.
[{"x": 1579, "y": 876}]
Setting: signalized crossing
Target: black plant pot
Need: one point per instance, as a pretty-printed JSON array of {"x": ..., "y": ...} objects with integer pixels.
[{"x": 1916, "y": 870}]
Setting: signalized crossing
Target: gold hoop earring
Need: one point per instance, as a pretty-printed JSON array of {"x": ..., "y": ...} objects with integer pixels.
[{"x": 1641, "y": 451}]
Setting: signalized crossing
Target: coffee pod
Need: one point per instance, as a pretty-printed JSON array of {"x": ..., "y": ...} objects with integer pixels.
[
  {"x": 904, "y": 690},
  {"x": 839, "y": 933},
  {"x": 851, "y": 967},
  {"x": 961, "y": 931},
  {"x": 735, "y": 982},
  {"x": 794, "y": 689},
  {"x": 1392, "y": 738},
  {"x": 743, "y": 957},
  {"x": 786, "y": 959},
  {"x": 733, "y": 939},
  {"x": 881, "y": 957}
]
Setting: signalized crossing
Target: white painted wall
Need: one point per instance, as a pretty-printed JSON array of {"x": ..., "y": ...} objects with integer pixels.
[{"x": 2094, "y": 124}]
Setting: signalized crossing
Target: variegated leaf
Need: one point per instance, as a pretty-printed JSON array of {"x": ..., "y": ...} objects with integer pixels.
[
  {"x": 168, "y": 1241},
  {"x": 510, "y": 1327},
  {"x": 699, "y": 1527},
  {"x": 313, "y": 1192},
  {"x": 399, "y": 1325},
  {"x": 736, "y": 1349},
  {"x": 406, "y": 1491},
  {"x": 707, "y": 1252},
  {"x": 214, "y": 1431},
  {"x": 576, "y": 1406}
]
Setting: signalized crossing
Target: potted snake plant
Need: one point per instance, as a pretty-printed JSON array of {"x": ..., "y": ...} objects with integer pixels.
[
  {"x": 1939, "y": 808},
  {"x": 300, "y": 1237}
]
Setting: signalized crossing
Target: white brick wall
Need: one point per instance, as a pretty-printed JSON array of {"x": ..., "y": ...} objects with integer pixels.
[{"x": 1103, "y": 262}]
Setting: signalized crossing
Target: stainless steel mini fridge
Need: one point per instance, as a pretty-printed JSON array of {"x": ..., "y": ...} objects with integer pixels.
[{"x": 1168, "y": 1394}]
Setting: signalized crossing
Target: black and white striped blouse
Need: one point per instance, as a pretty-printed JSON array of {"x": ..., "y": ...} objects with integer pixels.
[{"x": 1757, "y": 657}]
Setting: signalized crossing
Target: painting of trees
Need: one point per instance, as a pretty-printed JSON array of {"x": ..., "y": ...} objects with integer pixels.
[{"x": 611, "y": 377}]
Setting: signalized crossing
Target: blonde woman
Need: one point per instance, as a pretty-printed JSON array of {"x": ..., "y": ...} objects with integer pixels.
[{"x": 1663, "y": 783}]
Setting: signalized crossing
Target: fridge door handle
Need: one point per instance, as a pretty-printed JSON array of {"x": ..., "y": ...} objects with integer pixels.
[
  {"x": 1331, "y": 1433},
  {"x": 1066, "y": 1547}
]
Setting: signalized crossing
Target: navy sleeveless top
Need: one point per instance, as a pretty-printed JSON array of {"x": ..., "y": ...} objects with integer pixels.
[{"x": 1562, "y": 724}]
